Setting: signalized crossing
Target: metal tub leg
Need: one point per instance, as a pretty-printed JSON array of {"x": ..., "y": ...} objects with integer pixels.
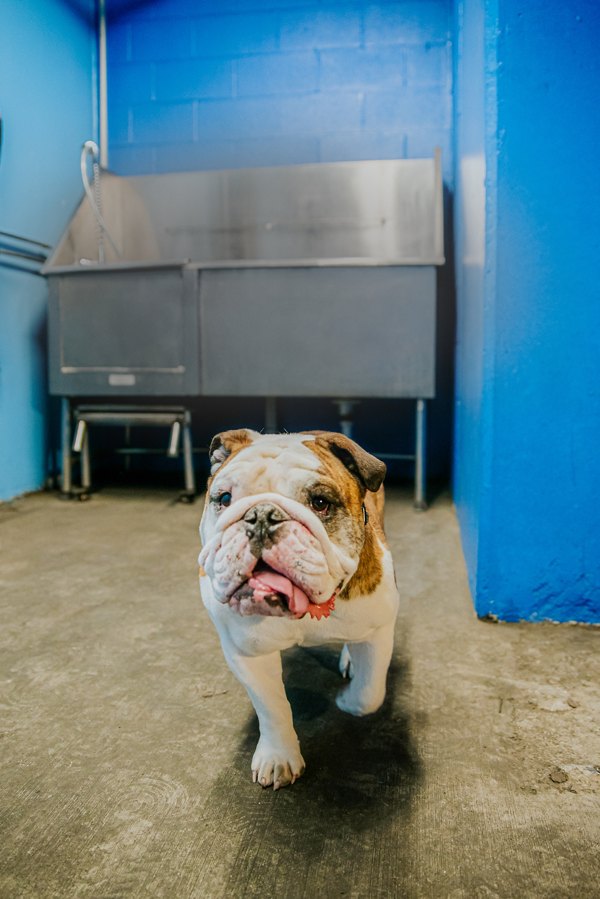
[
  {"x": 190, "y": 481},
  {"x": 270, "y": 415},
  {"x": 346, "y": 415},
  {"x": 420, "y": 501},
  {"x": 86, "y": 469},
  {"x": 67, "y": 472}
]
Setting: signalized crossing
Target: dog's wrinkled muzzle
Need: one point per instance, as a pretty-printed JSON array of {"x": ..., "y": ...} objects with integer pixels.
[{"x": 270, "y": 555}]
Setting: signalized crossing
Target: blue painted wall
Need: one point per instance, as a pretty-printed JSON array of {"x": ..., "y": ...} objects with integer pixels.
[
  {"x": 47, "y": 65},
  {"x": 527, "y": 466},
  {"x": 212, "y": 84}
]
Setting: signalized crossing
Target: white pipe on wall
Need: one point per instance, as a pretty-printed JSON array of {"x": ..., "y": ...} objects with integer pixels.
[{"x": 102, "y": 85}]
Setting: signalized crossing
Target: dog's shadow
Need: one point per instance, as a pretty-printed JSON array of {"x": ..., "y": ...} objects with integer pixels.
[
  {"x": 361, "y": 773},
  {"x": 350, "y": 761}
]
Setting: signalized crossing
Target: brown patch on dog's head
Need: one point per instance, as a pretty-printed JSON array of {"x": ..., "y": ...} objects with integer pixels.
[
  {"x": 367, "y": 576},
  {"x": 367, "y": 469},
  {"x": 362, "y": 493},
  {"x": 332, "y": 469},
  {"x": 225, "y": 444}
]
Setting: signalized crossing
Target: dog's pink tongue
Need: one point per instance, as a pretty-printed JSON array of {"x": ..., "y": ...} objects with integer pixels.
[{"x": 266, "y": 582}]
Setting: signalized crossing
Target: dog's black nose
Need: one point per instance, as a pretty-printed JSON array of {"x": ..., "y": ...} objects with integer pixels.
[{"x": 262, "y": 520}]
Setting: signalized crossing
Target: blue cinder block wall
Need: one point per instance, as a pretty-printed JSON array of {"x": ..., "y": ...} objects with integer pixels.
[
  {"x": 229, "y": 83},
  {"x": 527, "y": 465},
  {"x": 47, "y": 73}
]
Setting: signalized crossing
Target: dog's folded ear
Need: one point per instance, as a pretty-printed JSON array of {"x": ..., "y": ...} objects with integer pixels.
[
  {"x": 224, "y": 444},
  {"x": 368, "y": 470}
]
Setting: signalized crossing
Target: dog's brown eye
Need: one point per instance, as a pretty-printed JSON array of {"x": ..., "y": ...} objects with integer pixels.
[{"x": 320, "y": 504}]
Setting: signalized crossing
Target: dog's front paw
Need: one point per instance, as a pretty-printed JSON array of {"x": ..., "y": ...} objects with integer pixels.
[{"x": 276, "y": 764}]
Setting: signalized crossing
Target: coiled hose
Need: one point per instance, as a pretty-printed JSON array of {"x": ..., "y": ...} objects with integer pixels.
[{"x": 90, "y": 148}]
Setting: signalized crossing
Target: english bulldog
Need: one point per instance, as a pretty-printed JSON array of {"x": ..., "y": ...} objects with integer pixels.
[{"x": 293, "y": 553}]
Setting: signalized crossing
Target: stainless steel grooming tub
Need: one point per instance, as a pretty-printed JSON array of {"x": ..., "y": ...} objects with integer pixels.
[{"x": 311, "y": 280}]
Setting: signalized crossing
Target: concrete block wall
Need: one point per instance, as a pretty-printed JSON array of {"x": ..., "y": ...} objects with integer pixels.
[{"x": 196, "y": 85}]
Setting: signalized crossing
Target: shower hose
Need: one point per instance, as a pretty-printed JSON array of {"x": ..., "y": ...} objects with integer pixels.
[{"x": 90, "y": 149}]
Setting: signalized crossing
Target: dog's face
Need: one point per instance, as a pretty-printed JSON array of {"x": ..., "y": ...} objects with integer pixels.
[{"x": 284, "y": 521}]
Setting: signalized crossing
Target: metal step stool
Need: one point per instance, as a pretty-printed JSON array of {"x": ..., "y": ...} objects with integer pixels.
[{"x": 177, "y": 418}]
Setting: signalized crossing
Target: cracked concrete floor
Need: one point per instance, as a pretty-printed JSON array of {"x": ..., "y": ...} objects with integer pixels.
[{"x": 126, "y": 743}]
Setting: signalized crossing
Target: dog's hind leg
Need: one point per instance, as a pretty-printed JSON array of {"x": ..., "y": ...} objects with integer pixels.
[{"x": 370, "y": 662}]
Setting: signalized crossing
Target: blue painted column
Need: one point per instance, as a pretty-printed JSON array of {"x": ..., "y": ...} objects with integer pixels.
[{"x": 527, "y": 465}]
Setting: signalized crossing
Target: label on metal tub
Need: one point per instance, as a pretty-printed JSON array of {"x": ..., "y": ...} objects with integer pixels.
[{"x": 121, "y": 380}]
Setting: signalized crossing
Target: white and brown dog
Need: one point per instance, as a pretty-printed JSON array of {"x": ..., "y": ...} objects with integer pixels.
[{"x": 293, "y": 553}]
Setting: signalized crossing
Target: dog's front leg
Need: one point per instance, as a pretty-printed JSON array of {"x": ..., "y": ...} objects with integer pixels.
[{"x": 277, "y": 759}]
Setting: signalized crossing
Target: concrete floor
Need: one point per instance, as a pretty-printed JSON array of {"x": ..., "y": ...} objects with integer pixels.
[{"x": 126, "y": 743}]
